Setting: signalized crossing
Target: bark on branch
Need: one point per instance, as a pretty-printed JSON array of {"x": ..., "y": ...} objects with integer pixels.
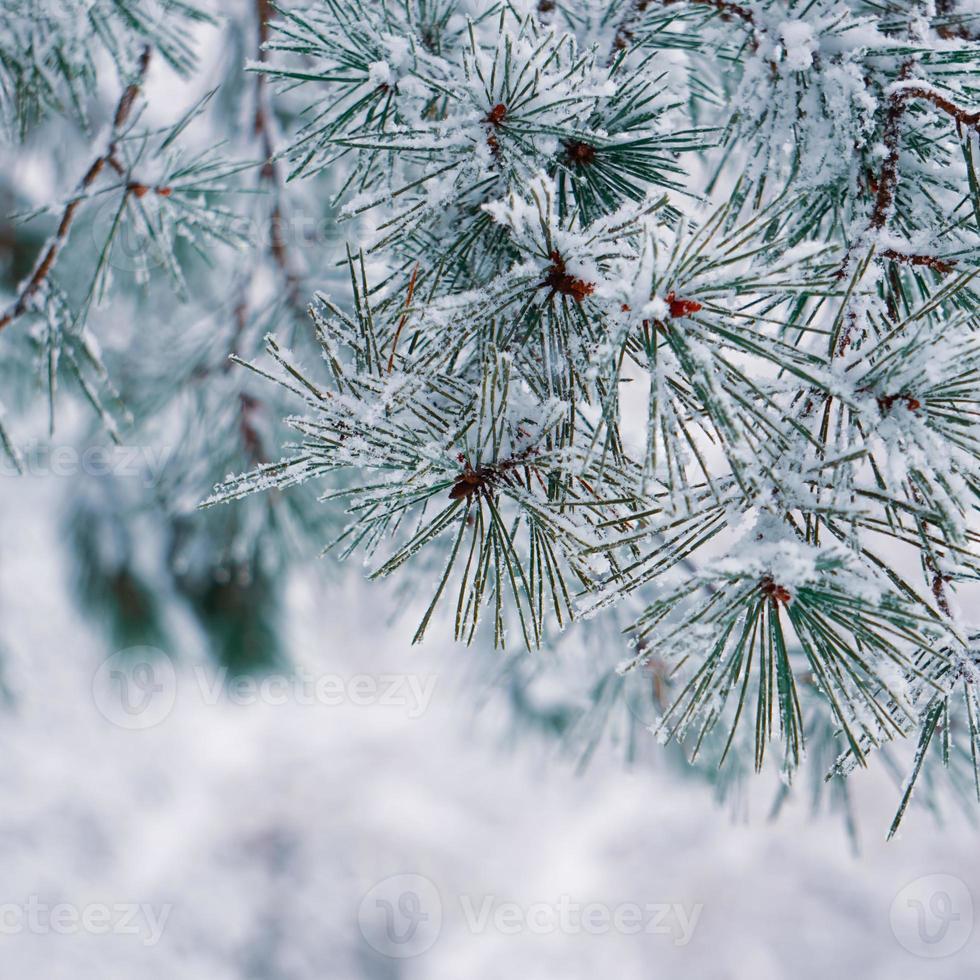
[{"x": 50, "y": 255}]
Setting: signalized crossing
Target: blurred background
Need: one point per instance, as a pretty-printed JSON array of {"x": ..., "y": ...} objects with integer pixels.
[
  {"x": 385, "y": 811},
  {"x": 221, "y": 756}
]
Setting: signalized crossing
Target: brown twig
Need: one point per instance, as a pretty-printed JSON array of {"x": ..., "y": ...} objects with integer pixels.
[
  {"x": 961, "y": 115},
  {"x": 251, "y": 438},
  {"x": 885, "y": 187},
  {"x": 249, "y": 407},
  {"x": 942, "y": 266},
  {"x": 891, "y": 137},
  {"x": 898, "y": 102},
  {"x": 50, "y": 256},
  {"x": 404, "y": 317},
  {"x": 939, "y": 593},
  {"x": 887, "y": 182},
  {"x": 270, "y": 169}
]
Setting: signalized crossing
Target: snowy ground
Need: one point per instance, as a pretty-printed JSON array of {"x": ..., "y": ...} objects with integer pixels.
[{"x": 256, "y": 840}]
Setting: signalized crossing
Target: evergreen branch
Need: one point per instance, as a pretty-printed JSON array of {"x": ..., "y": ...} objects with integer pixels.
[
  {"x": 912, "y": 90},
  {"x": 50, "y": 255}
]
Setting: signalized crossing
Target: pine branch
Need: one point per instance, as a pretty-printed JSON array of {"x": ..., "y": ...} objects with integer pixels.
[
  {"x": 912, "y": 90},
  {"x": 587, "y": 376},
  {"x": 49, "y": 257}
]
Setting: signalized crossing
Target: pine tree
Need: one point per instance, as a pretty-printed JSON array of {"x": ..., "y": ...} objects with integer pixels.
[{"x": 655, "y": 314}]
